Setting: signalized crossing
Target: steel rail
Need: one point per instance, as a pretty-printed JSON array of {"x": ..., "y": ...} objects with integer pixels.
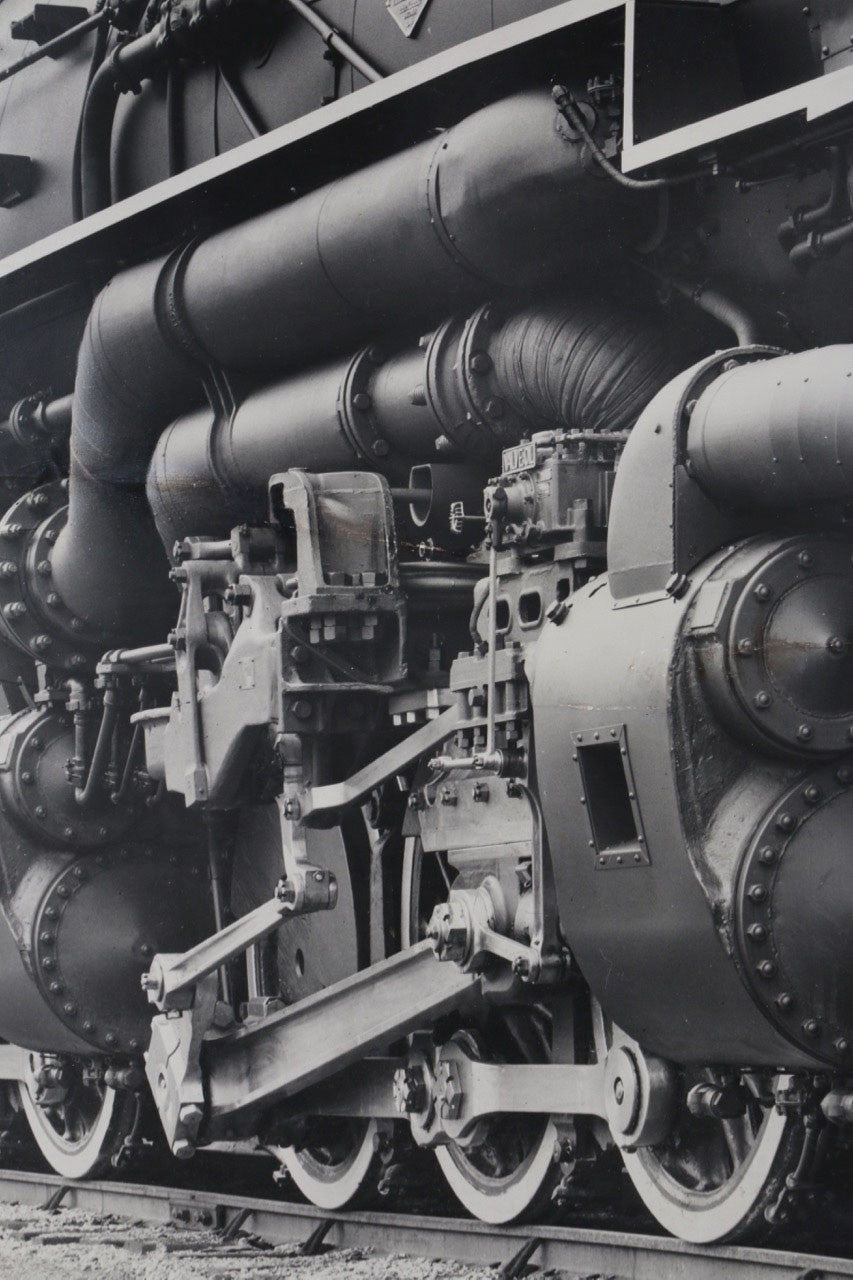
[{"x": 580, "y": 1250}]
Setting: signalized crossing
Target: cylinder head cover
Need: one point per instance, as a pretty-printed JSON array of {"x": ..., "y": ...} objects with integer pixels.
[{"x": 780, "y": 663}]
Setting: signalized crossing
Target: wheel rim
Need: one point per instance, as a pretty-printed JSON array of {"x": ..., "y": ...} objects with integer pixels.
[
  {"x": 711, "y": 1180},
  {"x": 507, "y": 1172},
  {"x": 503, "y": 1196},
  {"x": 338, "y": 1163},
  {"x": 79, "y": 1134}
]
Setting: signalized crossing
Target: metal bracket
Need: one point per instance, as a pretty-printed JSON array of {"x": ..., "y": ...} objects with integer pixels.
[{"x": 173, "y": 1067}]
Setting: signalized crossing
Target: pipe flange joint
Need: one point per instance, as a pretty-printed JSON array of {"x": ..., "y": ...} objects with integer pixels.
[
  {"x": 482, "y": 392},
  {"x": 34, "y": 616},
  {"x": 355, "y": 413}
]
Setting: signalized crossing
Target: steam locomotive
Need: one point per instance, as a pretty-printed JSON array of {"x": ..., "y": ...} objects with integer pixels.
[{"x": 426, "y": 595}]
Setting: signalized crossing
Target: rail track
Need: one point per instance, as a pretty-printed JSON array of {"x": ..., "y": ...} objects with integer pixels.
[{"x": 514, "y": 1250}]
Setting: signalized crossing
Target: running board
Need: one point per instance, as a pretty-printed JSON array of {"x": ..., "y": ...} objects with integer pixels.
[{"x": 245, "y": 1071}]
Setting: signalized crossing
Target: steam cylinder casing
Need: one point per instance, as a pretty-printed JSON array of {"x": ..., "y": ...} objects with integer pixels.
[{"x": 652, "y": 937}]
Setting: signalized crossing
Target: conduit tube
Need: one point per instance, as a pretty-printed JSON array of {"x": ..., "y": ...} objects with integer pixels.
[
  {"x": 396, "y": 244},
  {"x": 481, "y": 383},
  {"x": 777, "y": 434}
]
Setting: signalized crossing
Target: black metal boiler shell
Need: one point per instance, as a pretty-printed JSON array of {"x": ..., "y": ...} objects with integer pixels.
[{"x": 643, "y": 933}]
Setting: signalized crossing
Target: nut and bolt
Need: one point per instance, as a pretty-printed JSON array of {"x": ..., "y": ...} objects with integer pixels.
[
  {"x": 762, "y": 592},
  {"x": 762, "y": 699},
  {"x": 410, "y": 1095},
  {"x": 448, "y": 1090},
  {"x": 480, "y": 793}
]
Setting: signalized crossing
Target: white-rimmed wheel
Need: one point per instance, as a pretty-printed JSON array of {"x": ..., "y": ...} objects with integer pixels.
[
  {"x": 80, "y": 1127},
  {"x": 507, "y": 1173},
  {"x": 336, "y": 1165},
  {"x": 710, "y": 1180}
]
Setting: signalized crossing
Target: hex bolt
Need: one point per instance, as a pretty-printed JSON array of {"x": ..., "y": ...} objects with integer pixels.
[
  {"x": 43, "y": 567},
  {"x": 812, "y": 794},
  {"x": 53, "y": 600},
  {"x": 837, "y": 645},
  {"x": 842, "y": 1045},
  {"x": 762, "y": 699},
  {"x": 380, "y": 447},
  {"x": 8, "y": 569},
  {"x": 811, "y": 1026},
  {"x": 756, "y": 932},
  {"x": 362, "y": 400},
  {"x": 27, "y": 778},
  {"x": 70, "y": 1009},
  {"x": 481, "y": 362},
  {"x": 745, "y": 648},
  {"x": 784, "y": 1001},
  {"x": 15, "y": 609},
  {"x": 767, "y": 856},
  {"x": 110, "y": 1038},
  {"x": 805, "y": 732},
  {"x": 409, "y": 1090},
  {"x": 40, "y": 811},
  {"x": 805, "y": 560},
  {"x": 302, "y": 709},
  {"x": 480, "y": 793},
  {"x": 766, "y": 968},
  {"x": 448, "y": 796},
  {"x": 11, "y": 531},
  {"x": 36, "y": 499},
  {"x": 41, "y": 643},
  {"x": 786, "y": 822},
  {"x": 88, "y": 1026},
  {"x": 757, "y": 893},
  {"x": 762, "y": 592}
]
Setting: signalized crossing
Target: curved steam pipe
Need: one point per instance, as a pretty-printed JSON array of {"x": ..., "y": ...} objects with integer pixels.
[{"x": 402, "y": 242}]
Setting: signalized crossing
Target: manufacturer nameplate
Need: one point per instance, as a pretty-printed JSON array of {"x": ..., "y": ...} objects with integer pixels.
[
  {"x": 406, "y": 13},
  {"x": 521, "y": 457}
]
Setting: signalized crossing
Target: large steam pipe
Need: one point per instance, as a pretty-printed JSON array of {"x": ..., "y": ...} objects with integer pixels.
[
  {"x": 777, "y": 434},
  {"x": 478, "y": 383},
  {"x": 401, "y": 242}
]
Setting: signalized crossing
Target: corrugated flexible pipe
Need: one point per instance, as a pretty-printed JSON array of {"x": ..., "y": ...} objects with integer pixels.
[{"x": 479, "y": 383}]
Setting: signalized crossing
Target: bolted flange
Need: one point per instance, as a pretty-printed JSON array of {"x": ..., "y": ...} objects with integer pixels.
[{"x": 32, "y": 613}]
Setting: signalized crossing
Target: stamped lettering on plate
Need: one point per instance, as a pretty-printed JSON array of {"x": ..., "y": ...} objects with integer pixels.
[{"x": 406, "y": 13}]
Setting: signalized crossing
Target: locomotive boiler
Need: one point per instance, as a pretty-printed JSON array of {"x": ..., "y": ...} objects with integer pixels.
[{"x": 426, "y": 596}]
